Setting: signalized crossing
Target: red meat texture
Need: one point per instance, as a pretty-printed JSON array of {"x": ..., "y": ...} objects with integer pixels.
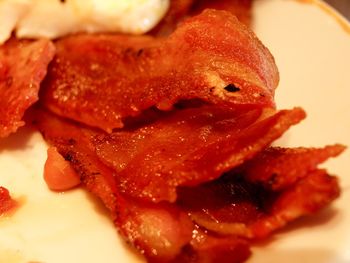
[
  {"x": 172, "y": 133},
  {"x": 100, "y": 80},
  {"x": 23, "y": 65},
  {"x": 205, "y": 214}
]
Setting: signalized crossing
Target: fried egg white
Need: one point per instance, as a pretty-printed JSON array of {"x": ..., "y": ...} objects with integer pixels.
[{"x": 56, "y": 18}]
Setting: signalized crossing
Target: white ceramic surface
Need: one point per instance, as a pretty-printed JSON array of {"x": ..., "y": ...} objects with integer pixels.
[{"x": 312, "y": 50}]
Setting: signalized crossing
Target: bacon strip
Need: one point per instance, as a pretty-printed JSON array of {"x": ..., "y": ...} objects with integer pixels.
[
  {"x": 167, "y": 232},
  {"x": 163, "y": 232},
  {"x": 158, "y": 231},
  {"x": 23, "y": 65},
  {"x": 100, "y": 80},
  {"x": 234, "y": 206},
  {"x": 73, "y": 143},
  {"x": 309, "y": 195},
  {"x": 277, "y": 168},
  {"x": 188, "y": 147}
]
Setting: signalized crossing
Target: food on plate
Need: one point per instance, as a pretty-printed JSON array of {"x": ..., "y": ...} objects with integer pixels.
[
  {"x": 137, "y": 171},
  {"x": 184, "y": 148},
  {"x": 173, "y": 134},
  {"x": 23, "y": 65},
  {"x": 29, "y": 19},
  {"x": 100, "y": 80},
  {"x": 6, "y": 202},
  {"x": 188, "y": 147}
]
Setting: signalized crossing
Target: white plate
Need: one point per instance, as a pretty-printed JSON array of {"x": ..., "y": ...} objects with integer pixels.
[{"x": 312, "y": 50}]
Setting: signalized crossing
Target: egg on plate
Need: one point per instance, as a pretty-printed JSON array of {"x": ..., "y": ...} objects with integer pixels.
[{"x": 56, "y": 18}]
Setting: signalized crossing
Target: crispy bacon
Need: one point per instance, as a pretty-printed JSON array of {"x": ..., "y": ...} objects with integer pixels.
[
  {"x": 277, "y": 168},
  {"x": 6, "y": 202},
  {"x": 233, "y": 206},
  {"x": 23, "y": 65},
  {"x": 73, "y": 143},
  {"x": 230, "y": 206},
  {"x": 158, "y": 231},
  {"x": 100, "y": 80},
  {"x": 188, "y": 147},
  {"x": 196, "y": 184},
  {"x": 163, "y": 232}
]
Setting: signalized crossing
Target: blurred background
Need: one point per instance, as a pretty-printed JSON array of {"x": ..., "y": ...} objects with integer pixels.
[{"x": 343, "y": 6}]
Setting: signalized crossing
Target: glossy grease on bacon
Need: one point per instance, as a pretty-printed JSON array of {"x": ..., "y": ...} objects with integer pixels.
[
  {"x": 277, "y": 168},
  {"x": 220, "y": 215},
  {"x": 233, "y": 205},
  {"x": 100, "y": 80},
  {"x": 174, "y": 136},
  {"x": 159, "y": 231},
  {"x": 188, "y": 147}
]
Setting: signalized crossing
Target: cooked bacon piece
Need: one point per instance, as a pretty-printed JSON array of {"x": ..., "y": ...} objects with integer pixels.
[
  {"x": 232, "y": 206},
  {"x": 158, "y": 231},
  {"x": 23, "y": 65},
  {"x": 306, "y": 197},
  {"x": 6, "y": 202},
  {"x": 163, "y": 232},
  {"x": 225, "y": 206},
  {"x": 188, "y": 147},
  {"x": 277, "y": 168},
  {"x": 59, "y": 175},
  {"x": 99, "y": 80},
  {"x": 73, "y": 143},
  {"x": 141, "y": 224}
]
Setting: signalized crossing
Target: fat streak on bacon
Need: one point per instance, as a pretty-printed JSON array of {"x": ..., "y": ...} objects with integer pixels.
[
  {"x": 167, "y": 232},
  {"x": 99, "y": 80},
  {"x": 188, "y": 147},
  {"x": 234, "y": 205}
]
